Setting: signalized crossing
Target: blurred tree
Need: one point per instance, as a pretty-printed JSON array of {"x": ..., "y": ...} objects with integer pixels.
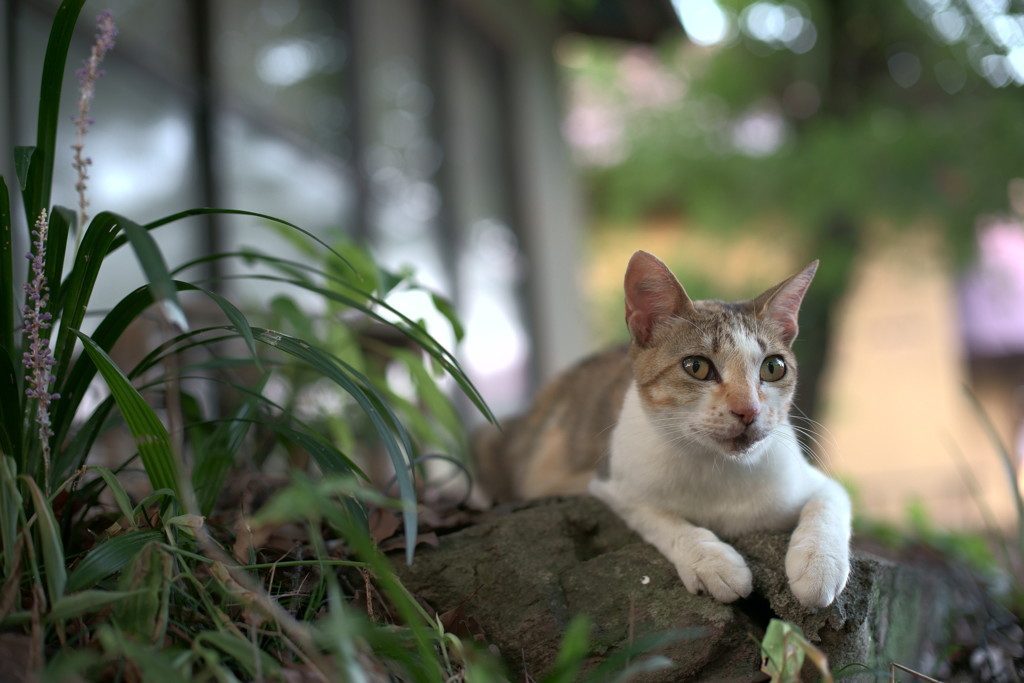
[{"x": 825, "y": 116}]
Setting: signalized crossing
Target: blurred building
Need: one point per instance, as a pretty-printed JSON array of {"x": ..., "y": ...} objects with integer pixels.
[{"x": 430, "y": 129}]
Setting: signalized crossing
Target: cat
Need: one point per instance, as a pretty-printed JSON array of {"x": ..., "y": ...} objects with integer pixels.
[{"x": 686, "y": 435}]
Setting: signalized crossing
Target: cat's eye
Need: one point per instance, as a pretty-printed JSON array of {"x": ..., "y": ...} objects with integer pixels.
[
  {"x": 773, "y": 369},
  {"x": 698, "y": 367}
]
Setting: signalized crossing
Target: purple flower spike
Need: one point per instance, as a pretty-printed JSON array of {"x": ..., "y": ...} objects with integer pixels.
[
  {"x": 87, "y": 77},
  {"x": 38, "y": 359}
]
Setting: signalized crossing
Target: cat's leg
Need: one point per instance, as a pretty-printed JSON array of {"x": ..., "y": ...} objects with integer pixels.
[
  {"x": 818, "y": 559},
  {"x": 705, "y": 563}
]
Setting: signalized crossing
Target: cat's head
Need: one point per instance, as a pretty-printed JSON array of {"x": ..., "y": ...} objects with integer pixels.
[{"x": 710, "y": 373}]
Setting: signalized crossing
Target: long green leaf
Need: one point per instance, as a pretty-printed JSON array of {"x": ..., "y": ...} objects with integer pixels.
[
  {"x": 150, "y": 435},
  {"x": 11, "y": 399},
  {"x": 40, "y": 172},
  {"x": 86, "y": 602},
  {"x": 10, "y": 504},
  {"x": 242, "y": 652},
  {"x": 50, "y": 542},
  {"x": 393, "y": 436},
  {"x": 173, "y": 218},
  {"x": 73, "y": 299},
  {"x": 77, "y": 379},
  {"x": 8, "y": 297},
  {"x": 1008, "y": 459},
  {"x": 116, "y": 488},
  {"x": 328, "y": 458},
  {"x": 22, "y": 163},
  {"x": 60, "y": 221},
  {"x": 77, "y": 449},
  {"x": 156, "y": 666},
  {"x": 412, "y": 330},
  {"x": 155, "y": 269},
  {"x": 217, "y": 455},
  {"x": 145, "y": 616}
]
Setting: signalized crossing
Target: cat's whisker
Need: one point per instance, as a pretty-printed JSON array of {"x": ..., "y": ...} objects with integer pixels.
[
  {"x": 813, "y": 455},
  {"x": 813, "y": 436}
]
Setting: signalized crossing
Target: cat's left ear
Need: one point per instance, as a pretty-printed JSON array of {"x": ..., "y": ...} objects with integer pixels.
[{"x": 781, "y": 303}]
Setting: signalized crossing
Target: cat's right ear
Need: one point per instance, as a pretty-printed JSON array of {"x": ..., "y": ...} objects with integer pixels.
[{"x": 653, "y": 295}]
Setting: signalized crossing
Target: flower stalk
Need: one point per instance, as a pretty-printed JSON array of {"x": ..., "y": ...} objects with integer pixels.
[
  {"x": 87, "y": 77},
  {"x": 39, "y": 359}
]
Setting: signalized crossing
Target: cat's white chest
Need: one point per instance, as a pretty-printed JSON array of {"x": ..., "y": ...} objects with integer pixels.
[{"x": 730, "y": 496}]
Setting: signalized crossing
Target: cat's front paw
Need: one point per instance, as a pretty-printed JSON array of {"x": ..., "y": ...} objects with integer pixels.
[
  {"x": 711, "y": 566},
  {"x": 817, "y": 569}
]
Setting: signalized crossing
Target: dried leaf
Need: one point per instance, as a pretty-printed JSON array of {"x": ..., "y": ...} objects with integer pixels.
[
  {"x": 461, "y": 625},
  {"x": 398, "y": 542},
  {"x": 383, "y": 524}
]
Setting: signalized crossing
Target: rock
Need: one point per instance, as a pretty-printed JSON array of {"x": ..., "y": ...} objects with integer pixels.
[{"x": 523, "y": 573}]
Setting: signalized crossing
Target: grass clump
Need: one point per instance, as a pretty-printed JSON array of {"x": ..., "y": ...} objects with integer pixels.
[{"x": 199, "y": 572}]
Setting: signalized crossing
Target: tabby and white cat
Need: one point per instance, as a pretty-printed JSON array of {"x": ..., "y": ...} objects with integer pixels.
[{"x": 686, "y": 436}]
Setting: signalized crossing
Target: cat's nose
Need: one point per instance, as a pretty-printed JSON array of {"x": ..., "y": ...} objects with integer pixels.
[{"x": 747, "y": 413}]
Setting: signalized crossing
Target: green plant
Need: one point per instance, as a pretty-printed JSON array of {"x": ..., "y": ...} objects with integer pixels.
[{"x": 149, "y": 589}]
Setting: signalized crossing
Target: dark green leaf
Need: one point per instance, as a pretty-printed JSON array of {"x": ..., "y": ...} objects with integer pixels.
[
  {"x": 39, "y": 178},
  {"x": 73, "y": 301},
  {"x": 155, "y": 268},
  {"x": 109, "y": 557},
  {"x": 327, "y": 457},
  {"x": 10, "y": 504},
  {"x": 61, "y": 220},
  {"x": 148, "y": 574},
  {"x": 243, "y": 652},
  {"x": 116, "y": 488},
  {"x": 150, "y": 435},
  {"x": 411, "y": 329},
  {"x": 8, "y": 297},
  {"x": 11, "y": 398},
  {"x": 48, "y": 534},
  {"x": 573, "y": 651},
  {"x": 86, "y": 602},
  {"x": 76, "y": 382},
  {"x": 155, "y": 665},
  {"x": 393, "y": 436},
  {"x": 237, "y": 318},
  {"x": 217, "y": 454},
  {"x": 22, "y": 164},
  {"x": 445, "y": 308},
  {"x": 628, "y": 662}
]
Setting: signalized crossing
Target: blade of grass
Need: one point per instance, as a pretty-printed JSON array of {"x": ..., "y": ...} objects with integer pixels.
[
  {"x": 72, "y": 299},
  {"x": 408, "y": 327},
  {"x": 214, "y": 460},
  {"x": 145, "y": 616},
  {"x": 243, "y": 652},
  {"x": 1007, "y": 459},
  {"x": 40, "y": 172},
  {"x": 86, "y": 602},
  {"x": 10, "y": 504},
  {"x": 150, "y": 435},
  {"x": 109, "y": 557},
  {"x": 22, "y": 163},
  {"x": 78, "y": 378},
  {"x": 411, "y": 329},
  {"x": 49, "y": 541},
  {"x": 116, "y": 488},
  {"x": 10, "y": 407},
  {"x": 238, "y": 212},
  {"x": 393, "y": 436},
  {"x": 155, "y": 268},
  {"x": 155, "y": 666},
  {"x": 61, "y": 220},
  {"x": 8, "y": 296}
]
